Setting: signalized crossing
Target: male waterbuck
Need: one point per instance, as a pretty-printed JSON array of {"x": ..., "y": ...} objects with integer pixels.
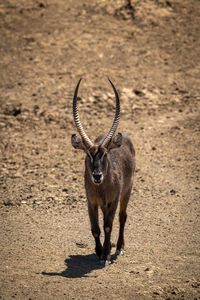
[{"x": 109, "y": 166}]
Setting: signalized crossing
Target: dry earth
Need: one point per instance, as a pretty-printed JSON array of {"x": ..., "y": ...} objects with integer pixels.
[{"x": 150, "y": 49}]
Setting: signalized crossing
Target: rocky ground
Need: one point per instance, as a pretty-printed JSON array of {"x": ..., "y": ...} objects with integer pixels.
[{"x": 150, "y": 50}]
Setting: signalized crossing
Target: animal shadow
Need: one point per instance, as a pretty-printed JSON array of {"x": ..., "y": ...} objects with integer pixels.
[{"x": 78, "y": 266}]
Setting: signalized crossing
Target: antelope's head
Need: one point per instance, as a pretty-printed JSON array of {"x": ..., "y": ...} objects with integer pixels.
[{"x": 97, "y": 153}]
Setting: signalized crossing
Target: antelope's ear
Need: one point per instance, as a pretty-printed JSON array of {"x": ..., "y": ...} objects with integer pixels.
[
  {"x": 77, "y": 142},
  {"x": 116, "y": 141}
]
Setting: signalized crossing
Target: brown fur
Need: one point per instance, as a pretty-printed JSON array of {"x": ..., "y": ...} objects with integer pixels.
[{"x": 116, "y": 187}]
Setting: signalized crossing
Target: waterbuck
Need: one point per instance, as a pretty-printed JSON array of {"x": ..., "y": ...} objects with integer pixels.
[{"x": 109, "y": 167}]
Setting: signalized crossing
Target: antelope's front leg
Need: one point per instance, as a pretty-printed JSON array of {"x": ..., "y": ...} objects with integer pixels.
[
  {"x": 94, "y": 220},
  {"x": 109, "y": 214},
  {"x": 122, "y": 220}
]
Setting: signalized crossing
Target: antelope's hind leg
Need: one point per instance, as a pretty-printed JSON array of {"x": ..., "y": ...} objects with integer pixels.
[{"x": 94, "y": 220}]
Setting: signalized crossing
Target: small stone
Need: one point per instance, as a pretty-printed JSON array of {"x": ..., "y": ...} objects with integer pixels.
[
  {"x": 41, "y": 5},
  {"x": 172, "y": 192},
  {"x": 104, "y": 97},
  {"x": 138, "y": 93},
  {"x": 91, "y": 99},
  {"x": 7, "y": 202},
  {"x": 156, "y": 293},
  {"x": 38, "y": 202},
  {"x": 81, "y": 245}
]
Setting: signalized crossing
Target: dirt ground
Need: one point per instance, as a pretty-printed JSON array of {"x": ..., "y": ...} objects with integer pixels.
[{"x": 150, "y": 49}]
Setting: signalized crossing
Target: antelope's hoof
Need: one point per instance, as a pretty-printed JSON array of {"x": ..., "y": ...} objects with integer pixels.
[
  {"x": 105, "y": 263},
  {"x": 120, "y": 252}
]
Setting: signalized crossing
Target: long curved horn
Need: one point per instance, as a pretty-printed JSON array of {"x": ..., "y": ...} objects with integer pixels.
[
  {"x": 87, "y": 142},
  {"x": 110, "y": 134}
]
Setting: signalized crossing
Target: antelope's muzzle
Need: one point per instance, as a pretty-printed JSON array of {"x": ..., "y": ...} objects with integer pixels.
[{"x": 97, "y": 177}]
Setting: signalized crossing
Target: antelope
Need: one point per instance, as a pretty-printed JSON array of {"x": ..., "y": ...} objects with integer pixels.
[{"x": 109, "y": 168}]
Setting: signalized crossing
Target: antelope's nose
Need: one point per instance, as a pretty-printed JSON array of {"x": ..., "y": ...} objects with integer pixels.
[{"x": 97, "y": 177}]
